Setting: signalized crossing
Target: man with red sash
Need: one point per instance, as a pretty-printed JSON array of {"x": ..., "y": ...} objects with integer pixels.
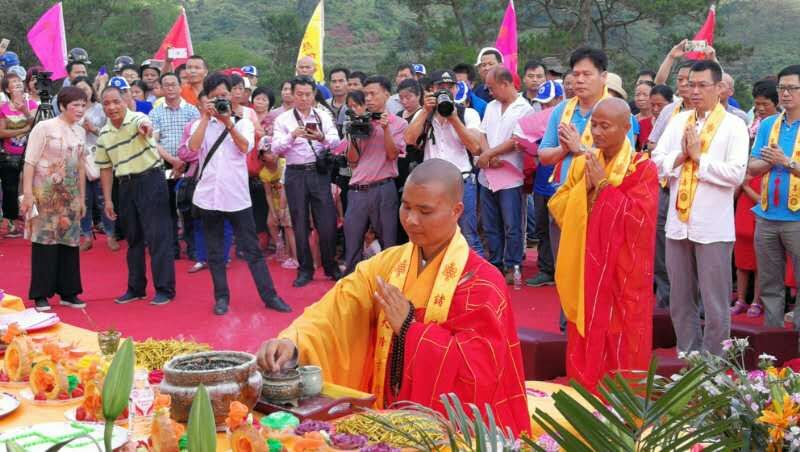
[
  {"x": 417, "y": 320},
  {"x": 776, "y": 157},
  {"x": 567, "y": 134},
  {"x": 703, "y": 155},
  {"x": 606, "y": 210}
]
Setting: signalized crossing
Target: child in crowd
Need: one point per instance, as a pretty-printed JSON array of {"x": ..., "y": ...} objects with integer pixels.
[{"x": 272, "y": 175}]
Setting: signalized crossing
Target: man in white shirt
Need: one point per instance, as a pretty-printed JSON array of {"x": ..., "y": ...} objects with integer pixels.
[
  {"x": 451, "y": 132},
  {"x": 303, "y": 135},
  {"x": 501, "y": 174},
  {"x": 222, "y": 192},
  {"x": 703, "y": 154}
]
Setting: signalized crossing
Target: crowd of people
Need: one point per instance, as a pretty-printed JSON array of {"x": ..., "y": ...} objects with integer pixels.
[{"x": 312, "y": 174}]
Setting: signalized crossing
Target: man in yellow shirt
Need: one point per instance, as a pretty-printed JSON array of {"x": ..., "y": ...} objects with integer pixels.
[{"x": 417, "y": 320}]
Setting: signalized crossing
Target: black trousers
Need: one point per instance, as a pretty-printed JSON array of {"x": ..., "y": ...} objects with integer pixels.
[
  {"x": 173, "y": 214},
  {"x": 144, "y": 212},
  {"x": 546, "y": 259},
  {"x": 259, "y": 199},
  {"x": 9, "y": 176},
  {"x": 304, "y": 189},
  {"x": 244, "y": 229},
  {"x": 55, "y": 269}
]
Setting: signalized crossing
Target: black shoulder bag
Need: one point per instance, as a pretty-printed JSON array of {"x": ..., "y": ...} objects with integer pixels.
[{"x": 185, "y": 191}]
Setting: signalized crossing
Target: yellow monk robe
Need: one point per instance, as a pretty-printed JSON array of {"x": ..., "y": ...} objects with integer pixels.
[
  {"x": 464, "y": 339},
  {"x": 604, "y": 270}
]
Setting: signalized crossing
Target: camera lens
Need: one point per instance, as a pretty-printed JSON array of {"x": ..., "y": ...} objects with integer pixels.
[{"x": 444, "y": 103}]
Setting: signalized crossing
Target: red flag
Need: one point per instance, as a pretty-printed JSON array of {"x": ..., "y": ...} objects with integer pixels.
[
  {"x": 179, "y": 40},
  {"x": 506, "y": 41},
  {"x": 706, "y": 33}
]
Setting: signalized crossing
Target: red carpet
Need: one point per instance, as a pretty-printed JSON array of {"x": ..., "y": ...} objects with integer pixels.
[{"x": 104, "y": 276}]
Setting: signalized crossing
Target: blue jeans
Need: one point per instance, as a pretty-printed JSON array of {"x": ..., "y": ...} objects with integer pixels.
[
  {"x": 94, "y": 193},
  {"x": 200, "y": 251},
  {"x": 530, "y": 218},
  {"x": 501, "y": 214},
  {"x": 469, "y": 218}
]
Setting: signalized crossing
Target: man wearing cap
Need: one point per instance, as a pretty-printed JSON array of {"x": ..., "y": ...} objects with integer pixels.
[
  {"x": 555, "y": 70},
  {"x": 488, "y": 58},
  {"x": 251, "y": 73},
  {"x": 150, "y": 74},
  {"x": 419, "y": 70},
  {"x": 404, "y": 71},
  {"x": 136, "y": 105},
  {"x": 451, "y": 134},
  {"x": 126, "y": 150},
  {"x": 465, "y": 75},
  {"x": 528, "y": 135}
]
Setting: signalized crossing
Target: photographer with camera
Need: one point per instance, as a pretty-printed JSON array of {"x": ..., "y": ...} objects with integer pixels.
[
  {"x": 449, "y": 131},
  {"x": 222, "y": 191},
  {"x": 304, "y": 135},
  {"x": 376, "y": 140}
]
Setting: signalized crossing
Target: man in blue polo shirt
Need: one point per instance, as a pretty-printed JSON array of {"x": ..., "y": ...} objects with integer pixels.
[
  {"x": 776, "y": 157},
  {"x": 567, "y": 134}
]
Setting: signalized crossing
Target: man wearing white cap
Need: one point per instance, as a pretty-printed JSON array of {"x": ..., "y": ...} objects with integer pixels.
[{"x": 251, "y": 73}]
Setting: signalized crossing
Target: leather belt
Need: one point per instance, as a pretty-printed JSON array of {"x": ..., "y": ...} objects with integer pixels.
[
  {"x": 365, "y": 187},
  {"x": 303, "y": 166},
  {"x": 130, "y": 177}
]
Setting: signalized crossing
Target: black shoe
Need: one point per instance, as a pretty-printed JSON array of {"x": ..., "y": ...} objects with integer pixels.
[
  {"x": 221, "y": 306},
  {"x": 276, "y": 303},
  {"x": 302, "y": 280},
  {"x": 335, "y": 276},
  {"x": 128, "y": 297},
  {"x": 41, "y": 304},
  {"x": 72, "y": 302},
  {"x": 160, "y": 299},
  {"x": 541, "y": 279}
]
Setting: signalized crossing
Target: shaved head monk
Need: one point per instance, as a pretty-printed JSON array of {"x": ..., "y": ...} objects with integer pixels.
[
  {"x": 604, "y": 272},
  {"x": 419, "y": 320}
]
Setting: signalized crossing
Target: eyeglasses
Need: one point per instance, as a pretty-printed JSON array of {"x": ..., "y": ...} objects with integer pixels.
[
  {"x": 791, "y": 89},
  {"x": 701, "y": 85}
]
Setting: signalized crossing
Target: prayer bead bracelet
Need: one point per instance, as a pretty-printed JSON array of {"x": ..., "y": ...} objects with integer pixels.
[{"x": 398, "y": 350}]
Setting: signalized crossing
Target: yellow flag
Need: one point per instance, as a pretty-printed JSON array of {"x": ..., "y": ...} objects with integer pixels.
[{"x": 311, "y": 45}]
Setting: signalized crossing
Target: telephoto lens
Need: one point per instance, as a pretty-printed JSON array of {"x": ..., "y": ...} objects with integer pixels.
[{"x": 444, "y": 102}]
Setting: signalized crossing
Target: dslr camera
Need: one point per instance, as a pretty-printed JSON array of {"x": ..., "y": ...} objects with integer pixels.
[
  {"x": 360, "y": 126},
  {"x": 222, "y": 106},
  {"x": 44, "y": 86},
  {"x": 445, "y": 104}
]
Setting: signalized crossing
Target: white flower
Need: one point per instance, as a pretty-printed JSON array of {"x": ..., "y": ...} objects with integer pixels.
[
  {"x": 681, "y": 355},
  {"x": 767, "y": 357},
  {"x": 795, "y": 430},
  {"x": 742, "y": 342},
  {"x": 754, "y": 407}
]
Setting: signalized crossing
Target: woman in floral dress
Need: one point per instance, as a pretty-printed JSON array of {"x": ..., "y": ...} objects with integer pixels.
[{"x": 53, "y": 203}]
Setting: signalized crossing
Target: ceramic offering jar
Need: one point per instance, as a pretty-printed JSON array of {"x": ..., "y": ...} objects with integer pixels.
[
  {"x": 227, "y": 375},
  {"x": 282, "y": 388},
  {"x": 311, "y": 377}
]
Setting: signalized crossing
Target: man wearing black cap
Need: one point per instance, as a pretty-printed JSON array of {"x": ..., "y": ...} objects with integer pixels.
[
  {"x": 449, "y": 131},
  {"x": 150, "y": 74}
]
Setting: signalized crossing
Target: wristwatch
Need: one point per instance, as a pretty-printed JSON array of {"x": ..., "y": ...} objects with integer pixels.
[{"x": 792, "y": 165}]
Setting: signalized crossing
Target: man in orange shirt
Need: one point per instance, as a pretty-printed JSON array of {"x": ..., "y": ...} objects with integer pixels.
[{"x": 196, "y": 70}]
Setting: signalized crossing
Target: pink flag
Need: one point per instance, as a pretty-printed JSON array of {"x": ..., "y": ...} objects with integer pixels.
[
  {"x": 706, "y": 33},
  {"x": 49, "y": 42},
  {"x": 178, "y": 40},
  {"x": 507, "y": 41}
]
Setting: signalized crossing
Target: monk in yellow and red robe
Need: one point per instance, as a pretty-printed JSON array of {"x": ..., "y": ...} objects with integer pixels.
[
  {"x": 604, "y": 272},
  {"x": 419, "y": 320}
]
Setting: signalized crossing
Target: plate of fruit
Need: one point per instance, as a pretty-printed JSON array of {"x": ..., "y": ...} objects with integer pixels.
[
  {"x": 90, "y": 410},
  {"x": 50, "y": 385}
]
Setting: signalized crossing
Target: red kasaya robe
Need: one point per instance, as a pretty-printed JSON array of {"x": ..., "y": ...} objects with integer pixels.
[
  {"x": 613, "y": 332},
  {"x": 474, "y": 353}
]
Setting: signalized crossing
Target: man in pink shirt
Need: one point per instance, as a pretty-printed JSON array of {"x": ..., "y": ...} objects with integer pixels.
[{"x": 372, "y": 196}]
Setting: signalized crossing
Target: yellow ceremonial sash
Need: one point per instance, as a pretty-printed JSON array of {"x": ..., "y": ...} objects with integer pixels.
[
  {"x": 794, "y": 181},
  {"x": 437, "y": 306},
  {"x": 688, "y": 179},
  {"x": 562, "y": 168},
  {"x": 570, "y": 265}
]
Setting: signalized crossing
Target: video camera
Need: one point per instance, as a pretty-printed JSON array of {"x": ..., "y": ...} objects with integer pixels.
[
  {"x": 360, "y": 126},
  {"x": 44, "y": 86}
]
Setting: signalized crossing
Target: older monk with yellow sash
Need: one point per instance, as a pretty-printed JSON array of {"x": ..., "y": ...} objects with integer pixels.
[
  {"x": 417, "y": 320},
  {"x": 607, "y": 211}
]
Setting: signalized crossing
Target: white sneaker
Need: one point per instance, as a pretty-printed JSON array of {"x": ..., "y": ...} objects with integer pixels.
[
  {"x": 290, "y": 264},
  {"x": 789, "y": 317}
]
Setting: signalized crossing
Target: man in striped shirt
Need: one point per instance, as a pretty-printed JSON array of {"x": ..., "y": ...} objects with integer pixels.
[{"x": 127, "y": 151}]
